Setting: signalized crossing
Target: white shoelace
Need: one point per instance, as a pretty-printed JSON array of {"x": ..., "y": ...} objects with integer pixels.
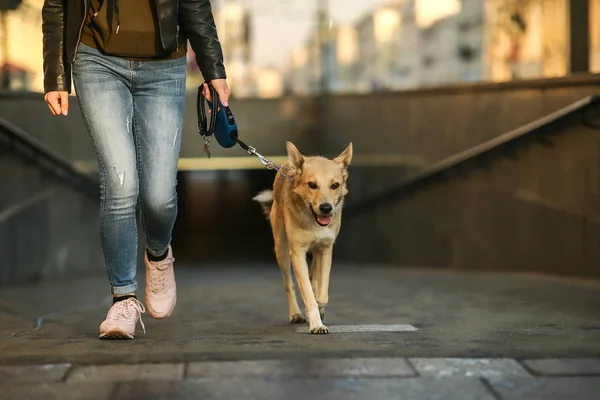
[
  {"x": 124, "y": 310},
  {"x": 158, "y": 276}
]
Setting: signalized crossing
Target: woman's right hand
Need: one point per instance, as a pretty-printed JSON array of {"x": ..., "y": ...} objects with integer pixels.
[{"x": 58, "y": 102}]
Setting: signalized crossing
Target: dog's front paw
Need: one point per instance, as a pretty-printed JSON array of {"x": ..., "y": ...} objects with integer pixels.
[
  {"x": 319, "y": 330},
  {"x": 297, "y": 319}
]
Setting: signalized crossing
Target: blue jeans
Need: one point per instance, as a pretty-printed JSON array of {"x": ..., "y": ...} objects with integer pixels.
[{"x": 134, "y": 114}]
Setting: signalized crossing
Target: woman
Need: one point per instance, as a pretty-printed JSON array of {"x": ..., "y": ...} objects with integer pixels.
[{"x": 127, "y": 59}]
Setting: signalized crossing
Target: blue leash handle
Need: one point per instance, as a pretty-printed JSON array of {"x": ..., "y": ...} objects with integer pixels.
[{"x": 222, "y": 122}]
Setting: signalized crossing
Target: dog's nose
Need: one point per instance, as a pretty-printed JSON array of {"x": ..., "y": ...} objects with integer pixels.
[{"x": 325, "y": 208}]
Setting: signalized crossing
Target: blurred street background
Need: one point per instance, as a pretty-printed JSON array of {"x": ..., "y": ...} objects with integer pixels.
[{"x": 291, "y": 47}]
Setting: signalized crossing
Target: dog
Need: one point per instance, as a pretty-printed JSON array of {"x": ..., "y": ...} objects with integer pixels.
[{"x": 305, "y": 214}]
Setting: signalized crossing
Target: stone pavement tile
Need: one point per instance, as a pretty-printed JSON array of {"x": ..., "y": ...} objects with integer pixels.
[
  {"x": 564, "y": 366},
  {"x": 13, "y": 374},
  {"x": 322, "y": 368},
  {"x": 557, "y": 388},
  {"x": 322, "y": 389},
  {"x": 126, "y": 372},
  {"x": 468, "y": 367},
  {"x": 58, "y": 391}
]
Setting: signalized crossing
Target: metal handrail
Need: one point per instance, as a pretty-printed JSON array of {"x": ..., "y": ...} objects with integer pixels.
[
  {"x": 471, "y": 155},
  {"x": 26, "y": 146}
]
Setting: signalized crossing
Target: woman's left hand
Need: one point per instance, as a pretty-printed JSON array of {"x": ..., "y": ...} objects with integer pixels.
[{"x": 221, "y": 88}]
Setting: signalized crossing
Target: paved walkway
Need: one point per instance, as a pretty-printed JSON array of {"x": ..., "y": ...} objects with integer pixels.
[
  {"x": 349, "y": 378},
  {"x": 396, "y": 334}
]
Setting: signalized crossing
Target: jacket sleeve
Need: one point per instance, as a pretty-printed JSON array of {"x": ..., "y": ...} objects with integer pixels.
[
  {"x": 199, "y": 25},
  {"x": 57, "y": 72}
]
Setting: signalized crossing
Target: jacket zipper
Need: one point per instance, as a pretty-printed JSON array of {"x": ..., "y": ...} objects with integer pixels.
[
  {"x": 80, "y": 30},
  {"x": 177, "y": 19}
]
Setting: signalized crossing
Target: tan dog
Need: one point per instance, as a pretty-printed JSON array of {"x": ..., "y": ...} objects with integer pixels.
[{"x": 305, "y": 216}]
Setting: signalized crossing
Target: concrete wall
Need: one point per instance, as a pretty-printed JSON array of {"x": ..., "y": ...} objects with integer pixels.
[
  {"x": 535, "y": 210},
  {"x": 47, "y": 229},
  {"x": 66, "y": 136},
  {"x": 434, "y": 123}
]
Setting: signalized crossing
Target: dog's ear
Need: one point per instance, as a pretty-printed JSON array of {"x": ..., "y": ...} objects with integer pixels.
[
  {"x": 295, "y": 157},
  {"x": 345, "y": 158}
]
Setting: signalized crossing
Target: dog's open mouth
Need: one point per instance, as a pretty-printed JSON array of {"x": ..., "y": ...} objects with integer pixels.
[{"x": 322, "y": 220}]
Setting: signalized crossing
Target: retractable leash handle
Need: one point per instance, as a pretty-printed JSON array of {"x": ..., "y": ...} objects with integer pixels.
[
  {"x": 226, "y": 131},
  {"x": 222, "y": 122}
]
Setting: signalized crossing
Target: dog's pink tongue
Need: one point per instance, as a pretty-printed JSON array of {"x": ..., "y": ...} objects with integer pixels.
[{"x": 324, "y": 219}]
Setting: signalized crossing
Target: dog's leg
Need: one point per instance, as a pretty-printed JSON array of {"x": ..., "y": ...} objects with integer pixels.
[
  {"x": 324, "y": 262},
  {"x": 315, "y": 279},
  {"x": 314, "y": 274},
  {"x": 282, "y": 253},
  {"x": 312, "y": 310}
]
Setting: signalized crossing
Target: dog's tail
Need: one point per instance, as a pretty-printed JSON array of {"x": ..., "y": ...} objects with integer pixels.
[{"x": 265, "y": 199}]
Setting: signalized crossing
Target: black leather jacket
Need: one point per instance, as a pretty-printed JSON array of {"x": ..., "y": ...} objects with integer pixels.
[{"x": 62, "y": 24}]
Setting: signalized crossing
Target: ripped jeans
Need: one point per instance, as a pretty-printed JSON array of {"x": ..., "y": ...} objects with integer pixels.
[{"x": 134, "y": 113}]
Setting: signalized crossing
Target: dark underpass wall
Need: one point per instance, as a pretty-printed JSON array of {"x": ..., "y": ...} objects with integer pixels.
[
  {"x": 456, "y": 223},
  {"x": 66, "y": 136},
  {"x": 431, "y": 124},
  {"x": 535, "y": 209},
  {"x": 47, "y": 228},
  {"x": 538, "y": 212}
]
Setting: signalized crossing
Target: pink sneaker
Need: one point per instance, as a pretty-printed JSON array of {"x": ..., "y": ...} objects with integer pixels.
[
  {"x": 121, "y": 320},
  {"x": 161, "y": 290}
]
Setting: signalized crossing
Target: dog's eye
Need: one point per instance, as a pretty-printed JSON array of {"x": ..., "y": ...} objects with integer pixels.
[
  {"x": 334, "y": 186},
  {"x": 312, "y": 185}
]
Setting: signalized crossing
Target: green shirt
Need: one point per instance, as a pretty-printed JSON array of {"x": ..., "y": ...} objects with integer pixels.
[{"x": 138, "y": 37}]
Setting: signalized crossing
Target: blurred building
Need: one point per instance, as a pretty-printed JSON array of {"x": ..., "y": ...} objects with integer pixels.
[
  {"x": 344, "y": 59},
  {"x": 356, "y": 57},
  {"x": 408, "y": 67},
  {"x": 377, "y": 34},
  {"x": 428, "y": 12},
  {"x": 233, "y": 24},
  {"x": 339, "y": 63},
  {"x": 527, "y": 38},
  {"x": 268, "y": 82},
  {"x": 21, "y": 63},
  {"x": 595, "y": 36},
  {"x": 303, "y": 74},
  {"x": 452, "y": 45},
  {"x": 298, "y": 79},
  {"x": 402, "y": 44},
  {"x": 413, "y": 43}
]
